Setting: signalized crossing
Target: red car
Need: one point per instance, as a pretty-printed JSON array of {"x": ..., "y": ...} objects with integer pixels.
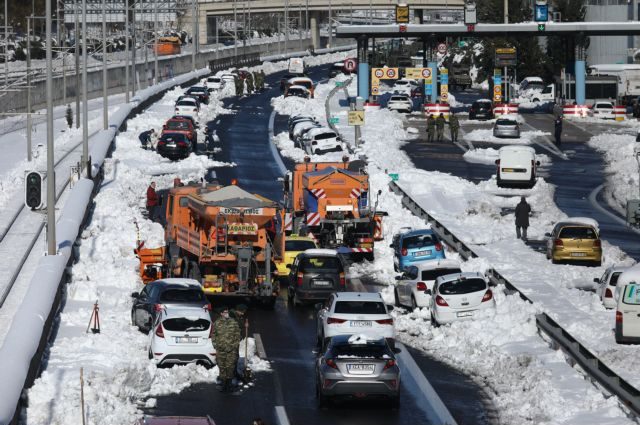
[
  {"x": 175, "y": 420},
  {"x": 181, "y": 125}
]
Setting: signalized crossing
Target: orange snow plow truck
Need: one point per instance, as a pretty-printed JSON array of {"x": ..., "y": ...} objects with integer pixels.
[
  {"x": 224, "y": 237},
  {"x": 331, "y": 201}
]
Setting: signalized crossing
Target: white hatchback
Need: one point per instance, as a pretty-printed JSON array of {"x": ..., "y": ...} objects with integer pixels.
[
  {"x": 400, "y": 103},
  {"x": 187, "y": 107},
  {"x": 320, "y": 140},
  {"x": 215, "y": 83},
  {"x": 413, "y": 285},
  {"x": 347, "y": 313},
  {"x": 607, "y": 288},
  {"x": 602, "y": 110},
  {"x": 460, "y": 296},
  {"x": 405, "y": 85},
  {"x": 182, "y": 335}
]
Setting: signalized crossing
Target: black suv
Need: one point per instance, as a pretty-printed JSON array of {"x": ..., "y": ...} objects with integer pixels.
[
  {"x": 481, "y": 109},
  {"x": 166, "y": 292},
  {"x": 315, "y": 274},
  {"x": 174, "y": 145},
  {"x": 201, "y": 93}
]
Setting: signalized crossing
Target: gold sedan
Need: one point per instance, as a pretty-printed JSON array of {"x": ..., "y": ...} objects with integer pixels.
[{"x": 575, "y": 239}]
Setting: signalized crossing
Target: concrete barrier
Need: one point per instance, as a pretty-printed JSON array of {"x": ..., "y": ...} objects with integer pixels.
[
  {"x": 575, "y": 111},
  {"x": 505, "y": 109},
  {"x": 436, "y": 109},
  {"x": 619, "y": 113}
]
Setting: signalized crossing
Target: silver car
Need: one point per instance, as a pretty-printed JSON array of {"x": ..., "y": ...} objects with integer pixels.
[
  {"x": 357, "y": 367},
  {"x": 506, "y": 127}
]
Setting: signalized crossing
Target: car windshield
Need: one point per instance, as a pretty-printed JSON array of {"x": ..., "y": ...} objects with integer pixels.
[
  {"x": 324, "y": 136},
  {"x": 375, "y": 351},
  {"x": 434, "y": 274},
  {"x": 604, "y": 106},
  {"x": 181, "y": 295},
  {"x": 402, "y": 83},
  {"x": 419, "y": 241},
  {"x": 173, "y": 137},
  {"x": 614, "y": 279},
  {"x": 483, "y": 105},
  {"x": 186, "y": 103},
  {"x": 506, "y": 122},
  {"x": 182, "y": 324},
  {"x": 631, "y": 294},
  {"x": 577, "y": 233},
  {"x": 304, "y": 83},
  {"x": 197, "y": 90},
  {"x": 330, "y": 264},
  {"x": 178, "y": 125},
  {"x": 360, "y": 307},
  {"x": 400, "y": 98},
  {"x": 460, "y": 287},
  {"x": 298, "y": 245}
]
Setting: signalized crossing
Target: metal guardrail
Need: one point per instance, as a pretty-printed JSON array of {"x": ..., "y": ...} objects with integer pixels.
[
  {"x": 249, "y": 59},
  {"x": 594, "y": 368}
]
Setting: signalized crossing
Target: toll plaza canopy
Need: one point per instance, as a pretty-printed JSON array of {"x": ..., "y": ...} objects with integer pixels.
[{"x": 489, "y": 30}]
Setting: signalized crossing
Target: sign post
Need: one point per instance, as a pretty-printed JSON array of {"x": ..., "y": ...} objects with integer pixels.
[
  {"x": 356, "y": 118},
  {"x": 444, "y": 85},
  {"x": 497, "y": 87}
]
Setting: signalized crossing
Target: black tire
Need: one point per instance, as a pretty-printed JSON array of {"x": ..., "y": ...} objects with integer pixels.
[
  {"x": 554, "y": 261},
  {"x": 434, "y": 323},
  {"x": 597, "y": 263},
  {"x": 413, "y": 303},
  {"x": 321, "y": 399},
  {"x": 150, "y": 354},
  {"x": 194, "y": 271},
  {"x": 396, "y": 298}
]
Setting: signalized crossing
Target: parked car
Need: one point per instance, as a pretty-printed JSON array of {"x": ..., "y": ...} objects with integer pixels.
[
  {"x": 305, "y": 82},
  {"x": 460, "y": 296},
  {"x": 285, "y": 79},
  {"x": 293, "y": 245},
  {"x": 336, "y": 69},
  {"x": 301, "y": 127},
  {"x": 188, "y": 118},
  {"x": 227, "y": 77},
  {"x": 608, "y": 288},
  {"x": 404, "y": 86},
  {"x": 215, "y": 83},
  {"x": 182, "y": 335},
  {"x": 174, "y": 145},
  {"x": 628, "y": 307},
  {"x": 481, "y": 109},
  {"x": 315, "y": 274},
  {"x": 602, "y": 110},
  {"x": 412, "y": 285},
  {"x": 187, "y": 107},
  {"x": 575, "y": 239},
  {"x": 200, "y": 92},
  {"x": 516, "y": 166},
  {"x": 175, "y": 420},
  {"x": 321, "y": 140},
  {"x": 355, "y": 366},
  {"x": 415, "y": 246},
  {"x": 400, "y": 103},
  {"x": 164, "y": 293},
  {"x": 345, "y": 313},
  {"x": 297, "y": 91},
  {"x": 181, "y": 125},
  {"x": 188, "y": 97},
  {"x": 297, "y": 120},
  {"x": 506, "y": 127}
]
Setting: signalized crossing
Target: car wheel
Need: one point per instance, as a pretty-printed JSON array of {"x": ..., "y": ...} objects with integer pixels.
[
  {"x": 395, "y": 402},
  {"x": 413, "y": 303},
  {"x": 150, "y": 354},
  {"x": 597, "y": 263},
  {"x": 322, "y": 400},
  {"x": 434, "y": 322},
  {"x": 554, "y": 261},
  {"x": 396, "y": 298}
]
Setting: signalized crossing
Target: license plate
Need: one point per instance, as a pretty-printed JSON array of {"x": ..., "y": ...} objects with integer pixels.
[
  {"x": 186, "y": 340},
  {"x": 322, "y": 283},
  {"x": 361, "y": 369},
  {"x": 465, "y": 314},
  {"x": 507, "y": 170},
  {"x": 422, "y": 253},
  {"x": 360, "y": 323},
  {"x": 578, "y": 254},
  {"x": 171, "y": 145}
]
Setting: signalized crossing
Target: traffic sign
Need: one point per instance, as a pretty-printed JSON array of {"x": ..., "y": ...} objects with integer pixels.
[
  {"x": 334, "y": 120},
  {"x": 541, "y": 27},
  {"x": 403, "y": 28},
  {"x": 350, "y": 65},
  {"x": 339, "y": 83},
  {"x": 402, "y": 14},
  {"x": 541, "y": 13},
  {"x": 442, "y": 48},
  {"x": 444, "y": 97},
  {"x": 391, "y": 73},
  {"x": 375, "y": 90},
  {"x": 497, "y": 97},
  {"x": 444, "y": 78},
  {"x": 394, "y": 176},
  {"x": 426, "y": 73},
  {"x": 497, "y": 80},
  {"x": 444, "y": 88},
  {"x": 378, "y": 72},
  {"x": 497, "y": 89},
  {"x": 356, "y": 117}
]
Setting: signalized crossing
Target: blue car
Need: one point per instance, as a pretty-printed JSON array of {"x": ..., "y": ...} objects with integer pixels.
[{"x": 415, "y": 246}]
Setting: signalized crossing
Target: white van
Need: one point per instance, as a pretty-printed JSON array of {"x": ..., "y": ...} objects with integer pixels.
[
  {"x": 628, "y": 307},
  {"x": 296, "y": 66},
  {"x": 516, "y": 166}
]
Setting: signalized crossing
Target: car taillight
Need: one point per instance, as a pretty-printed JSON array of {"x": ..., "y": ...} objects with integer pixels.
[
  {"x": 487, "y": 295},
  {"x": 385, "y": 322},
  {"x": 160, "y": 331},
  {"x": 390, "y": 363},
  {"x": 343, "y": 281},
  {"x": 331, "y": 363},
  {"x": 333, "y": 320},
  {"x": 300, "y": 279},
  {"x": 619, "y": 317},
  {"x": 421, "y": 286},
  {"x": 498, "y": 163},
  {"x": 558, "y": 242},
  {"x": 441, "y": 302},
  {"x": 158, "y": 307},
  {"x": 182, "y": 144},
  {"x": 608, "y": 293},
  {"x": 161, "y": 142},
  {"x": 438, "y": 246},
  {"x": 403, "y": 252},
  {"x": 597, "y": 243}
]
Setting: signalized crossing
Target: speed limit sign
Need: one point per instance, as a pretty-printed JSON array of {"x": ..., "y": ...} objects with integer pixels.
[
  {"x": 379, "y": 73},
  {"x": 442, "y": 48},
  {"x": 497, "y": 89},
  {"x": 391, "y": 73},
  {"x": 426, "y": 73}
]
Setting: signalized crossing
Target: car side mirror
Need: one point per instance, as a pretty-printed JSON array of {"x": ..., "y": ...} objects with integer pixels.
[
  {"x": 596, "y": 280},
  {"x": 497, "y": 161},
  {"x": 538, "y": 163},
  {"x": 399, "y": 277},
  {"x": 548, "y": 235},
  {"x": 135, "y": 294}
]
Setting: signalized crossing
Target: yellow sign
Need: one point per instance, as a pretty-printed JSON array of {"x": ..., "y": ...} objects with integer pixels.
[
  {"x": 243, "y": 229},
  {"x": 497, "y": 93},
  {"x": 415, "y": 73},
  {"x": 384, "y": 74},
  {"x": 444, "y": 88},
  {"x": 375, "y": 90},
  {"x": 506, "y": 50},
  {"x": 402, "y": 14},
  {"x": 356, "y": 117},
  {"x": 444, "y": 97}
]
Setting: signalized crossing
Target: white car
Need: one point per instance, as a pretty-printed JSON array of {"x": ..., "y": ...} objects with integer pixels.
[
  {"x": 346, "y": 313},
  {"x": 299, "y": 129},
  {"x": 401, "y": 103},
  {"x": 411, "y": 288},
  {"x": 227, "y": 77},
  {"x": 404, "y": 85},
  {"x": 460, "y": 296},
  {"x": 602, "y": 110},
  {"x": 182, "y": 335},
  {"x": 607, "y": 288},
  {"x": 215, "y": 83},
  {"x": 320, "y": 140},
  {"x": 187, "y": 107},
  {"x": 627, "y": 328}
]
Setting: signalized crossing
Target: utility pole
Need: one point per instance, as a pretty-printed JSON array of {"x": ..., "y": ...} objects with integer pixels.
[
  {"x": 330, "y": 27},
  {"x": 134, "y": 49},
  {"x": 217, "y": 38},
  {"x": 6, "y": 44},
  {"x": 126, "y": 50},
  {"x": 76, "y": 55},
  {"x": 51, "y": 178},
  {"x": 29, "y": 125},
  {"x": 506, "y": 77},
  {"x": 193, "y": 35},
  {"x": 105, "y": 100},
  {"x": 506, "y": 11},
  {"x": 85, "y": 101},
  {"x": 286, "y": 26},
  {"x": 235, "y": 30},
  {"x": 300, "y": 25},
  {"x": 61, "y": 50},
  {"x": 156, "y": 78}
]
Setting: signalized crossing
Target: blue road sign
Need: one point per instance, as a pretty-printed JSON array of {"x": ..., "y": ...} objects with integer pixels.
[
  {"x": 444, "y": 78},
  {"x": 497, "y": 79},
  {"x": 542, "y": 12}
]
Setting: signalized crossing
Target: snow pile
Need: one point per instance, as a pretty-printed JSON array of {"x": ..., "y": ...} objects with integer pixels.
[
  {"x": 488, "y": 156},
  {"x": 272, "y": 67},
  {"x": 486, "y": 135}
]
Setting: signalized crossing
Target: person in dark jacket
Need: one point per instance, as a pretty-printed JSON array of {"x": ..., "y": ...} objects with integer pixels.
[
  {"x": 431, "y": 129},
  {"x": 145, "y": 138},
  {"x": 522, "y": 218},
  {"x": 557, "y": 124},
  {"x": 153, "y": 200},
  {"x": 454, "y": 126},
  {"x": 440, "y": 122}
]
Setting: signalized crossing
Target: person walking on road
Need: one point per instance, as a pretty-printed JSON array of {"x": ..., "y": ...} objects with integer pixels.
[
  {"x": 557, "y": 124},
  {"x": 440, "y": 122},
  {"x": 262, "y": 79},
  {"x": 239, "y": 85},
  {"x": 454, "y": 126},
  {"x": 249, "y": 83},
  {"x": 226, "y": 339},
  {"x": 523, "y": 210},
  {"x": 239, "y": 314},
  {"x": 153, "y": 200},
  {"x": 431, "y": 129}
]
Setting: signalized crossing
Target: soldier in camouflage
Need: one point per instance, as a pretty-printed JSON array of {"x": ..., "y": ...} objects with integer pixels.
[{"x": 226, "y": 338}]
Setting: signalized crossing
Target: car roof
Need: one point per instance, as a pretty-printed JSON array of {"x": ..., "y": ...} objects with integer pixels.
[
  {"x": 171, "y": 312},
  {"x": 584, "y": 221},
  {"x": 320, "y": 252},
  {"x": 188, "y": 99},
  {"x": 445, "y": 263},
  {"x": 533, "y": 79},
  {"x": 305, "y": 79},
  {"x": 464, "y": 275},
  {"x": 320, "y": 130},
  {"x": 483, "y": 101},
  {"x": 358, "y": 296},
  {"x": 177, "y": 281},
  {"x": 516, "y": 148},
  {"x": 294, "y": 87},
  {"x": 418, "y": 232}
]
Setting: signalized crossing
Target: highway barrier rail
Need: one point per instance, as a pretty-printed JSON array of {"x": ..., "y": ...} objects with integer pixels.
[{"x": 559, "y": 338}]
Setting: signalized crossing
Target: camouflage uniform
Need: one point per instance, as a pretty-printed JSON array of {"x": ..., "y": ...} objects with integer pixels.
[
  {"x": 262, "y": 78},
  {"x": 249, "y": 83},
  {"x": 431, "y": 129},
  {"x": 226, "y": 338},
  {"x": 239, "y": 85},
  {"x": 454, "y": 126},
  {"x": 440, "y": 122}
]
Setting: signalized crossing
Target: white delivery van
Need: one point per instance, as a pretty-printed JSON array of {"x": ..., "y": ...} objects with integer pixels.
[
  {"x": 296, "y": 66},
  {"x": 516, "y": 166},
  {"x": 628, "y": 306}
]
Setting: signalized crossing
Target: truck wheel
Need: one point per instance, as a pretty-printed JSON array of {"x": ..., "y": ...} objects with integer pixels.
[
  {"x": 184, "y": 267},
  {"x": 194, "y": 272}
]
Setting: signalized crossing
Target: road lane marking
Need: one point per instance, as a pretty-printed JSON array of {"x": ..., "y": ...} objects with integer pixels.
[
  {"x": 434, "y": 408},
  {"x": 551, "y": 148},
  {"x": 281, "y": 416},
  {"x": 259, "y": 346},
  {"x": 593, "y": 199}
]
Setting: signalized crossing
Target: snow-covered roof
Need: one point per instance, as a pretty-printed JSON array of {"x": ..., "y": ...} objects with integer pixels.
[
  {"x": 460, "y": 276},
  {"x": 583, "y": 220},
  {"x": 320, "y": 130},
  {"x": 438, "y": 264},
  {"x": 533, "y": 79},
  {"x": 300, "y": 80},
  {"x": 359, "y": 296},
  {"x": 233, "y": 196},
  {"x": 321, "y": 251},
  {"x": 483, "y": 100},
  {"x": 180, "y": 281},
  {"x": 298, "y": 87},
  {"x": 632, "y": 274}
]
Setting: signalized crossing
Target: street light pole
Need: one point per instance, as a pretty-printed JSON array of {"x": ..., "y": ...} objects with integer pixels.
[
  {"x": 156, "y": 78},
  {"x": 6, "y": 43},
  {"x": 126, "y": 50},
  {"x": 134, "y": 49},
  {"x": 235, "y": 30},
  {"x": 29, "y": 125},
  {"x": 193, "y": 35},
  {"x": 286, "y": 26},
  {"x": 51, "y": 182},
  {"x": 105, "y": 100},
  {"x": 76, "y": 55},
  {"x": 85, "y": 101}
]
